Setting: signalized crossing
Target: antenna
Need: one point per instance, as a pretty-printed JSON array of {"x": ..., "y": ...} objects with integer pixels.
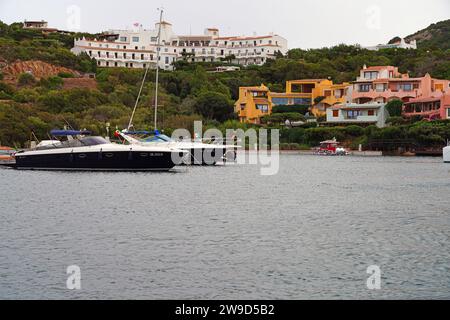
[{"x": 158, "y": 50}]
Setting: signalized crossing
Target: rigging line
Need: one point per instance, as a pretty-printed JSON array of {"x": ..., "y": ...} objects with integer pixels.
[{"x": 130, "y": 124}]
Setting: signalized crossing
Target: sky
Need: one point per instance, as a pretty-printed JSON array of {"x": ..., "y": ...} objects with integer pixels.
[{"x": 304, "y": 23}]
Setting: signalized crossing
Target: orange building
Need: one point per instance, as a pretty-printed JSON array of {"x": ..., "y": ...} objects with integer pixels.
[{"x": 319, "y": 94}]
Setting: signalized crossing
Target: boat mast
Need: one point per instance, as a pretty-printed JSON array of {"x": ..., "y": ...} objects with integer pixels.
[
  {"x": 130, "y": 124},
  {"x": 158, "y": 49}
]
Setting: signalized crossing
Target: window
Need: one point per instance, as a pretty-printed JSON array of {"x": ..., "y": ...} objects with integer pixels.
[
  {"x": 364, "y": 87},
  {"x": 133, "y": 56},
  {"x": 135, "y": 39},
  {"x": 115, "y": 55},
  {"x": 263, "y": 107},
  {"x": 406, "y": 87},
  {"x": 335, "y": 113},
  {"x": 115, "y": 64},
  {"x": 304, "y": 101},
  {"x": 371, "y": 112},
  {"x": 353, "y": 114},
  {"x": 370, "y": 75},
  {"x": 380, "y": 87},
  {"x": 123, "y": 39},
  {"x": 327, "y": 93},
  {"x": 167, "y": 60},
  {"x": 142, "y": 56},
  {"x": 448, "y": 113},
  {"x": 280, "y": 101}
]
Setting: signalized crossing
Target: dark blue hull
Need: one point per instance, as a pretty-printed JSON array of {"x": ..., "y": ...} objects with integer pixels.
[{"x": 108, "y": 161}]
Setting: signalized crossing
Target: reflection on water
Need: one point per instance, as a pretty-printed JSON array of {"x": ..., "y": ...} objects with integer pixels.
[{"x": 308, "y": 232}]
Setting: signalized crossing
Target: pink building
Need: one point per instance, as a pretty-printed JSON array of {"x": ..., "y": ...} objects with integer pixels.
[
  {"x": 385, "y": 83},
  {"x": 430, "y": 108}
]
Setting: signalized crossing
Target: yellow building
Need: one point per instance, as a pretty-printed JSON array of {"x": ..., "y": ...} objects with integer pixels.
[
  {"x": 319, "y": 94},
  {"x": 253, "y": 103}
]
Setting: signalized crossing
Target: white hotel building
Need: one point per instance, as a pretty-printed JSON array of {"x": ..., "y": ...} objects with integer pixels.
[{"x": 137, "y": 48}]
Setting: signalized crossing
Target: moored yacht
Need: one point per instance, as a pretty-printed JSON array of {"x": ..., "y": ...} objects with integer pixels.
[
  {"x": 198, "y": 152},
  {"x": 84, "y": 152}
]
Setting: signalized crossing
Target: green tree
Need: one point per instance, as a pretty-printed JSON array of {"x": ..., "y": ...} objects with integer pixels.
[
  {"x": 394, "y": 108},
  {"x": 26, "y": 79},
  {"x": 214, "y": 106}
]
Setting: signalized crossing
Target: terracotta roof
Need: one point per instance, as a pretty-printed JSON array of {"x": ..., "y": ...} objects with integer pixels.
[
  {"x": 379, "y": 68},
  {"x": 427, "y": 99}
]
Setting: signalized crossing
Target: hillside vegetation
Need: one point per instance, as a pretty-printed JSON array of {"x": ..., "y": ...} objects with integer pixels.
[{"x": 190, "y": 93}]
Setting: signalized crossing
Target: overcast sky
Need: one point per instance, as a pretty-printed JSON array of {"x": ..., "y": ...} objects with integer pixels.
[{"x": 305, "y": 23}]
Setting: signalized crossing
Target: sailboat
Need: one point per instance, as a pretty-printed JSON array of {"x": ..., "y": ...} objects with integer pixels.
[{"x": 199, "y": 153}]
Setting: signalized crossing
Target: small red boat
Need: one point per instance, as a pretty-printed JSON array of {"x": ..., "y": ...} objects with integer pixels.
[{"x": 330, "y": 148}]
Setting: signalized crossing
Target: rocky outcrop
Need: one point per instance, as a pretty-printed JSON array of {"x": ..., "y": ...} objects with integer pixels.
[{"x": 38, "y": 69}]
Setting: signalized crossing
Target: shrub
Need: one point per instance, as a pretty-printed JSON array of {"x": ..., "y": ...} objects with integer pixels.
[
  {"x": 52, "y": 83},
  {"x": 302, "y": 109},
  {"x": 354, "y": 131},
  {"x": 394, "y": 108},
  {"x": 26, "y": 79},
  {"x": 396, "y": 121},
  {"x": 65, "y": 75},
  {"x": 6, "y": 88},
  {"x": 26, "y": 96}
]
